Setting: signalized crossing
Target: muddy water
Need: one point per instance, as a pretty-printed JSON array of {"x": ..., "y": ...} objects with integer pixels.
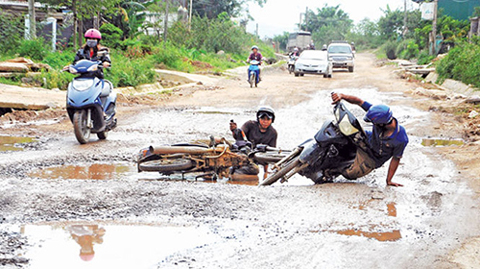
[
  {"x": 97, "y": 171},
  {"x": 12, "y": 143},
  {"x": 109, "y": 245},
  {"x": 434, "y": 142}
]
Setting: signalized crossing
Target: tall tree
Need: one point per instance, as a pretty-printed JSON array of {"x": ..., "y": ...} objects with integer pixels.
[
  {"x": 213, "y": 8},
  {"x": 328, "y": 23}
]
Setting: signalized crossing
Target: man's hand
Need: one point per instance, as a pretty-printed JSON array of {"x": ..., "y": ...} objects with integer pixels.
[
  {"x": 336, "y": 97},
  {"x": 394, "y": 184},
  {"x": 65, "y": 68},
  {"x": 106, "y": 64},
  {"x": 391, "y": 171}
]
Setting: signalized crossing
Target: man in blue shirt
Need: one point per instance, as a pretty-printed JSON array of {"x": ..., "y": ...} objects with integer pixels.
[{"x": 386, "y": 141}]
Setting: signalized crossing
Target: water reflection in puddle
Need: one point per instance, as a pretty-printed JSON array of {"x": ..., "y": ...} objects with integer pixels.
[
  {"x": 94, "y": 245},
  {"x": 10, "y": 143},
  {"x": 433, "y": 142},
  {"x": 99, "y": 171}
]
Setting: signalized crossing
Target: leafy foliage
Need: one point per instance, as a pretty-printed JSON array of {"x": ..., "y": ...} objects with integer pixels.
[
  {"x": 462, "y": 63},
  {"x": 111, "y": 34},
  {"x": 11, "y": 32},
  {"x": 327, "y": 24},
  {"x": 34, "y": 49}
]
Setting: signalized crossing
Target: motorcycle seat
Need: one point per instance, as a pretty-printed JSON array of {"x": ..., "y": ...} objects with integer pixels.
[{"x": 107, "y": 88}]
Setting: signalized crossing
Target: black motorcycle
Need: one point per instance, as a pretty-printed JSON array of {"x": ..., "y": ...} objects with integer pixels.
[{"x": 325, "y": 156}]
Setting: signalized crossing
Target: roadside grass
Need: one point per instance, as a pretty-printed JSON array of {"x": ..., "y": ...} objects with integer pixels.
[{"x": 133, "y": 67}]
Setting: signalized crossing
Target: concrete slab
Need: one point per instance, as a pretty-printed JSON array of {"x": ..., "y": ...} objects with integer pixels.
[{"x": 30, "y": 98}]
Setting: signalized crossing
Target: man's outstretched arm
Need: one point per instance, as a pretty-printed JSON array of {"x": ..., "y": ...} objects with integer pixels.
[
  {"x": 337, "y": 97},
  {"x": 391, "y": 172}
]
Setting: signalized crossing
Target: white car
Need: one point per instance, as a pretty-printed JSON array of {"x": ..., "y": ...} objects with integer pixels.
[{"x": 313, "y": 62}]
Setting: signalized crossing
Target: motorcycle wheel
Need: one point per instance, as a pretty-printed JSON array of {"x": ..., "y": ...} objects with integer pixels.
[
  {"x": 102, "y": 135},
  {"x": 166, "y": 165},
  {"x": 80, "y": 128},
  {"x": 252, "y": 80},
  {"x": 281, "y": 173},
  {"x": 290, "y": 70}
]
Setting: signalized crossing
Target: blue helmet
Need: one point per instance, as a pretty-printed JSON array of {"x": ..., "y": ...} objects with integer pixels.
[{"x": 379, "y": 114}]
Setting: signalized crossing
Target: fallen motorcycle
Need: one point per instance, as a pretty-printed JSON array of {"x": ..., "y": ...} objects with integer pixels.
[
  {"x": 213, "y": 160},
  {"x": 325, "y": 156}
]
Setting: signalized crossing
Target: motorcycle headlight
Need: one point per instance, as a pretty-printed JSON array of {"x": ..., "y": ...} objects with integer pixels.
[
  {"x": 82, "y": 84},
  {"x": 72, "y": 70},
  {"x": 93, "y": 68}
]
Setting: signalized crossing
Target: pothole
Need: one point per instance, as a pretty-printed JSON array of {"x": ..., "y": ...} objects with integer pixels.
[
  {"x": 109, "y": 245},
  {"x": 97, "y": 171},
  {"x": 14, "y": 143},
  {"x": 437, "y": 142}
]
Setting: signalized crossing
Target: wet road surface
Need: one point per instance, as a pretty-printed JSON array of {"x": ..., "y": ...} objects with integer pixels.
[{"x": 68, "y": 200}]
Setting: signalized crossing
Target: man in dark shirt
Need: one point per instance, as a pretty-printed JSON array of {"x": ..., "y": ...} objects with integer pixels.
[
  {"x": 255, "y": 56},
  {"x": 257, "y": 132},
  {"x": 386, "y": 141}
]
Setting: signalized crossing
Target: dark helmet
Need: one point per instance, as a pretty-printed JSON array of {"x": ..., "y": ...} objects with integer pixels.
[
  {"x": 379, "y": 114},
  {"x": 266, "y": 111}
]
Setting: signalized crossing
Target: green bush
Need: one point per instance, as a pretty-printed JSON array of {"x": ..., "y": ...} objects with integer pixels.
[
  {"x": 130, "y": 72},
  {"x": 34, "y": 49},
  {"x": 462, "y": 63},
  {"x": 390, "y": 48},
  {"x": 11, "y": 32},
  {"x": 111, "y": 35},
  {"x": 407, "y": 49},
  {"x": 59, "y": 59},
  {"x": 424, "y": 57}
]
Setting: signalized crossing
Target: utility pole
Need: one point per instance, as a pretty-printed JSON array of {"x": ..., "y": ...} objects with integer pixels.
[
  {"x": 165, "y": 26},
  {"x": 256, "y": 30},
  {"x": 434, "y": 27},
  {"x": 190, "y": 16},
  {"x": 405, "y": 19},
  {"x": 31, "y": 18},
  {"x": 306, "y": 18}
]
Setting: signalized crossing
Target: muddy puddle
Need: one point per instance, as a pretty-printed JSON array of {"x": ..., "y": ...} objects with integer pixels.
[
  {"x": 380, "y": 236},
  {"x": 436, "y": 142},
  {"x": 109, "y": 245},
  {"x": 98, "y": 171},
  {"x": 14, "y": 143}
]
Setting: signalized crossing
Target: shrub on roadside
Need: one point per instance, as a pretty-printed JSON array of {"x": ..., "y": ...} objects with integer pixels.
[
  {"x": 462, "y": 63},
  {"x": 33, "y": 49},
  {"x": 407, "y": 49},
  {"x": 424, "y": 57},
  {"x": 390, "y": 48},
  {"x": 111, "y": 35}
]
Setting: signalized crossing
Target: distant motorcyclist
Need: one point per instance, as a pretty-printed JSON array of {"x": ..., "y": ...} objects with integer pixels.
[
  {"x": 258, "y": 132},
  {"x": 353, "y": 46},
  {"x": 387, "y": 140},
  {"x": 312, "y": 45},
  {"x": 294, "y": 53},
  {"x": 92, "y": 50},
  {"x": 324, "y": 47},
  {"x": 257, "y": 56}
]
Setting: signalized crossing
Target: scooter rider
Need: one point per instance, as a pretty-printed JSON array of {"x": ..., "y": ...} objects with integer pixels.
[
  {"x": 257, "y": 132},
  {"x": 92, "y": 50},
  {"x": 257, "y": 56},
  {"x": 294, "y": 53},
  {"x": 387, "y": 140}
]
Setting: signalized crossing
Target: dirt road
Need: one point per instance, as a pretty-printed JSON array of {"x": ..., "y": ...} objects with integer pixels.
[{"x": 62, "y": 203}]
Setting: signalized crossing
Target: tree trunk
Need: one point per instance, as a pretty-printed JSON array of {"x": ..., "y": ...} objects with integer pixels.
[
  {"x": 165, "y": 27},
  {"x": 75, "y": 26}
]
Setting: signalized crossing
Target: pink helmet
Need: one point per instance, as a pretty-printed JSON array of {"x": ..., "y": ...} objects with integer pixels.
[{"x": 93, "y": 33}]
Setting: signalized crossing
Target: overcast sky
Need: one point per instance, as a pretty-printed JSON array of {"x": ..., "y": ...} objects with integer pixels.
[{"x": 278, "y": 16}]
